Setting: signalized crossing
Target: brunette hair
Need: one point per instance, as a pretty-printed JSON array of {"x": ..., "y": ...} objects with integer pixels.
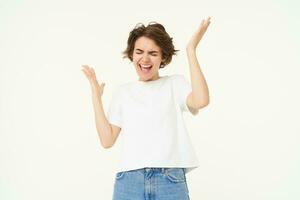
[{"x": 158, "y": 34}]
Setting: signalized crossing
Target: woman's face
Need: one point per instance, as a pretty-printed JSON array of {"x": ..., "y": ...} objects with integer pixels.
[{"x": 147, "y": 58}]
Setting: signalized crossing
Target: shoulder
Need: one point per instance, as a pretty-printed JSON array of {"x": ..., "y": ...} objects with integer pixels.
[
  {"x": 178, "y": 79},
  {"x": 177, "y": 76}
]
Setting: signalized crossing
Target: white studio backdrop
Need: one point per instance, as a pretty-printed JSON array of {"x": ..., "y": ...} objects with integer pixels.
[{"x": 247, "y": 139}]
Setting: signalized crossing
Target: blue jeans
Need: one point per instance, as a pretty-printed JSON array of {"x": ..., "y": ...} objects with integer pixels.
[{"x": 151, "y": 184}]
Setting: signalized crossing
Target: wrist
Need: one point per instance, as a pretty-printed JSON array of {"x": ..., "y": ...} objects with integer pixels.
[{"x": 97, "y": 95}]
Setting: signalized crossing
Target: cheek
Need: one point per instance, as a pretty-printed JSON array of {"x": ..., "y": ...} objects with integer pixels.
[
  {"x": 156, "y": 61},
  {"x": 136, "y": 58}
]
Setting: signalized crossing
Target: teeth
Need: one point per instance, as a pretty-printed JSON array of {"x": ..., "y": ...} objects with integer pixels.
[{"x": 146, "y": 66}]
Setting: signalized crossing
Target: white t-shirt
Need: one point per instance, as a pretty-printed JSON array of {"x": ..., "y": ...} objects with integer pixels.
[{"x": 153, "y": 132}]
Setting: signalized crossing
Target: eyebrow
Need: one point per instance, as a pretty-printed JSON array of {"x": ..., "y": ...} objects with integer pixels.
[{"x": 149, "y": 51}]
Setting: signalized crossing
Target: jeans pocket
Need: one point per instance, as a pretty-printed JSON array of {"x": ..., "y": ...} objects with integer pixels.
[
  {"x": 119, "y": 175},
  {"x": 175, "y": 175}
]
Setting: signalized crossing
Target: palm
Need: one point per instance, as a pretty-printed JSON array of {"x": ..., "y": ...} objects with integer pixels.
[
  {"x": 91, "y": 76},
  {"x": 199, "y": 33},
  {"x": 89, "y": 73}
]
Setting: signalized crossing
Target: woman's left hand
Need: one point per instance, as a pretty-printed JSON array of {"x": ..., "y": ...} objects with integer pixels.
[{"x": 198, "y": 34}]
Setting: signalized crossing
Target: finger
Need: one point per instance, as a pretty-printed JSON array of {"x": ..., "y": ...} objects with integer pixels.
[
  {"x": 84, "y": 69},
  {"x": 208, "y": 20},
  {"x": 202, "y": 22},
  {"x": 87, "y": 72},
  {"x": 206, "y": 23},
  {"x": 86, "y": 75},
  {"x": 87, "y": 69},
  {"x": 93, "y": 71}
]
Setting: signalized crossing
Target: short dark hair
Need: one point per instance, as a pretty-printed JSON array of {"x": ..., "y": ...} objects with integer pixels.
[{"x": 158, "y": 34}]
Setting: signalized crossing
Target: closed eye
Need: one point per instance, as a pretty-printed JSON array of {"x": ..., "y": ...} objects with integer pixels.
[{"x": 150, "y": 54}]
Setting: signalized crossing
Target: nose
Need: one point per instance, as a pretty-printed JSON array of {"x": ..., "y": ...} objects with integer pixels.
[{"x": 145, "y": 58}]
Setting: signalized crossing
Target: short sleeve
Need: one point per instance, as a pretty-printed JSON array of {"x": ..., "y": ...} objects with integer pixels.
[
  {"x": 182, "y": 88},
  {"x": 114, "y": 114}
]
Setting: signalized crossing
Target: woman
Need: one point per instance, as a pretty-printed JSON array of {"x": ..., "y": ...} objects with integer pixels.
[{"x": 156, "y": 148}]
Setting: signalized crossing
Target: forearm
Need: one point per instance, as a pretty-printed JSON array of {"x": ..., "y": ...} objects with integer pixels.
[
  {"x": 199, "y": 85},
  {"x": 102, "y": 125}
]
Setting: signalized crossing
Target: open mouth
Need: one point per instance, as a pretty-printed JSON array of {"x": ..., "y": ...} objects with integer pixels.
[{"x": 145, "y": 68}]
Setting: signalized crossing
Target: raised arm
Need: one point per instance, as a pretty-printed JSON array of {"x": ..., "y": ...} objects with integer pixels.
[
  {"x": 199, "y": 97},
  {"x": 107, "y": 132}
]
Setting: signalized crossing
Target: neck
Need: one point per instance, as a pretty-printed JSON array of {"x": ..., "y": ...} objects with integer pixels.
[{"x": 152, "y": 79}]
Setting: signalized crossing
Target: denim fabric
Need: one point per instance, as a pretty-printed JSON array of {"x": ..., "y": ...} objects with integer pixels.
[{"x": 151, "y": 184}]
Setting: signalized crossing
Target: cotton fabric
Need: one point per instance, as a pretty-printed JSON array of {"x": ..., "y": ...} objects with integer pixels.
[{"x": 153, "y": 131}]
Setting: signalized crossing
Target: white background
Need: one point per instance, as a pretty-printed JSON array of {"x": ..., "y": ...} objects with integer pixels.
[{"x": 247, "y": 139}]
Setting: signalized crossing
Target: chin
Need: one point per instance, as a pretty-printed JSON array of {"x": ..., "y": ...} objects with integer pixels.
[{"x": 145, "y": 79}]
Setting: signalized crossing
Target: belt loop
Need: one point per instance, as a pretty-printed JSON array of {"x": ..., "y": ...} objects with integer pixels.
[{"x": 164, "y": 170}]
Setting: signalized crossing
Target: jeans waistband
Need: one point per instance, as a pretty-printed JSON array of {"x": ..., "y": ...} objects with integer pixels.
[{"x": 154, "y": 169}]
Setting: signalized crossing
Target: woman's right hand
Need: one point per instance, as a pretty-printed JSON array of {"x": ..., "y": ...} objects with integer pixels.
[{"x": 91, "y": 76}]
